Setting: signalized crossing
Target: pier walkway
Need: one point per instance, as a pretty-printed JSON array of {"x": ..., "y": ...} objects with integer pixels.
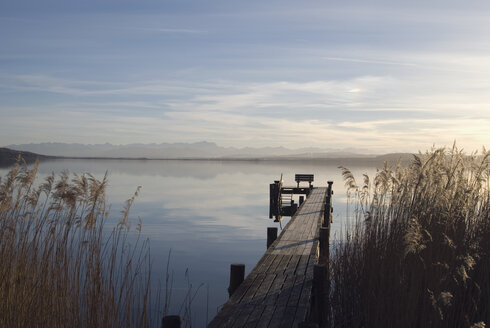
[{"x": 278, "y": 290}]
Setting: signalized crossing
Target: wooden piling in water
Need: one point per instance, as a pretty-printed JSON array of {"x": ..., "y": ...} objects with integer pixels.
[
  {"x": 237, "y": 275},
  {"x": 324, "y": 245},
  {"x": 171, "y": 321},
  {"x": 271, "y": 235},
  {"x": 318, "y": 306}
]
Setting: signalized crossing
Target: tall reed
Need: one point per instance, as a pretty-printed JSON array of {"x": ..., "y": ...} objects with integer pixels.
[
  {"x": 419, "y": 252},
  {"x": 59, "y": 265}
]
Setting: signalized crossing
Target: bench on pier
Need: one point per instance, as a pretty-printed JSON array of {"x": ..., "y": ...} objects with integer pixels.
[{"x": 304, "y": 178}]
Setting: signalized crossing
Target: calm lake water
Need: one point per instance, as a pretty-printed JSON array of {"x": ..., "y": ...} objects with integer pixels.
[{"x": 208, "y": 213}]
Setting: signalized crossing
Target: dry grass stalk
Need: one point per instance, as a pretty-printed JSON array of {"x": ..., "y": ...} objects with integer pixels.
[
  {"x": 59, "y": 267},
  {"x": 419, "y": 254}
]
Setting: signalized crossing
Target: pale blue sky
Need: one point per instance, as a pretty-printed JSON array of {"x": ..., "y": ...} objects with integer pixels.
[{"x": 373, "y": 75}]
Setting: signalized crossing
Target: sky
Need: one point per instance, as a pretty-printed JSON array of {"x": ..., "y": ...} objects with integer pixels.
[{"x": 378, "y": 76}]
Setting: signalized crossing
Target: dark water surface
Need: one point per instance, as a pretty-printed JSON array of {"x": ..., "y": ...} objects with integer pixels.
[{"x": 209, "y": 213}]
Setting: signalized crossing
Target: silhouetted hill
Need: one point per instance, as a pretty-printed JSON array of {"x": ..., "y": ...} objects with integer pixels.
[{"x": 9, "y": 156}]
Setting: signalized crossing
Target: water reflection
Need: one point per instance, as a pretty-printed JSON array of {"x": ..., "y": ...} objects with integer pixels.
[{"x": 210, "y": 213}]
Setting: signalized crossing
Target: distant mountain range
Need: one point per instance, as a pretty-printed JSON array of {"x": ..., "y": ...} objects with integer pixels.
[{"x": 198, "y": 150}]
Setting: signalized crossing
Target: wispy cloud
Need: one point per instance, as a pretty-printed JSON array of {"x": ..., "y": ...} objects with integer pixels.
[
  {"x": 171, "y": 30},
  {"x": 368, "y": 61}
]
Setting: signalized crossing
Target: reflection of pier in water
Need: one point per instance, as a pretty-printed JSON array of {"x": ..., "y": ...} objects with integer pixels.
[{"x": 287, "y": 286}]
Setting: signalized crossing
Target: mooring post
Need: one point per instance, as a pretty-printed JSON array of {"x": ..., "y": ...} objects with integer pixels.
[
  {"x": 330, "y": 193},
  {"x": 318, "y": 310},
  {"x": 274, "y": 194},
  {"x": 171, "y": 321},
  {"x": 324, "y": 245},
  {"x": 271, "y": 235},
  {"x": 237, "y": 275},
  {"x": 327, "y": 213},
  {"x": 294, "y": 207}
]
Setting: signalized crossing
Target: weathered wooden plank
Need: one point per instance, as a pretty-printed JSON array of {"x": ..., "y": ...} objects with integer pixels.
[
  {"x": 293, "y": 264},
  {"x": 281, "y": 267},
  {"x": 287, "y": 320},
  {"x": 302, "y": 264},
  {"x": 264, "y": 263},
  {"x": 296, "y": 291},
  {"x": 253, "y": 288},
  {"x": 300, "y": 316},
  {"x": 287, "y": 287},
  {"x": 281, "y": 302},
  {"x": 277, "y": 260},
  {"x": 266, "y": 285},
  {"x": 254, "y": 317},
  {"x": 242, "y": 317},
  {"x": 274, "y": 290},
  {"x": 243, "y": 288},
  {"x": 249, "y": 307},
  {"x": 306, "y": 291},
  {"x": 266, "y": 316}
]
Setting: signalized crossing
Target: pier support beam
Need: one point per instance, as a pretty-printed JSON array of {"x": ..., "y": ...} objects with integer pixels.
[
  {"x": 237, "y": 275},
  {"x": 271, "y": 235}
]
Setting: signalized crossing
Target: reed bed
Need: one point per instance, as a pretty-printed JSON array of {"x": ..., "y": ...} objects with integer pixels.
[
  {"x": 418, "y": 254},
  {"x": 59, "y": 265}
]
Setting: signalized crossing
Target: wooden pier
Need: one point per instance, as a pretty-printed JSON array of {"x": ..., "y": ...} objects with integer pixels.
[{"x": 279, "y": 291}]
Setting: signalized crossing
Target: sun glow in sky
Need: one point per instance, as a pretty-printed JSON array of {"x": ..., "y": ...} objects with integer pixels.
[{"x": 371, "y": 75}]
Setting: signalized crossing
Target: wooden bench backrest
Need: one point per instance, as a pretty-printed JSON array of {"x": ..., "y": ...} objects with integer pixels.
[{"x": 304, "y": 177}]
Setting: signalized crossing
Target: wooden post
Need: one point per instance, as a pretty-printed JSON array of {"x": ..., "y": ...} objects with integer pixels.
[
  {"x": 294, "y": 207},
  {"x": 301, "y": 200},
  {"x": 274, "y": 195},
  {"x": 324, "y": 245},
  {"x": 271, "y": 199},
  {"x": 171, "y": 321},
  {"x": 271, "y": 235},
  {"x": 318, "y": 310},
  {"x": 237, "y": 275},
  {"x": 327, "y": 214}
]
